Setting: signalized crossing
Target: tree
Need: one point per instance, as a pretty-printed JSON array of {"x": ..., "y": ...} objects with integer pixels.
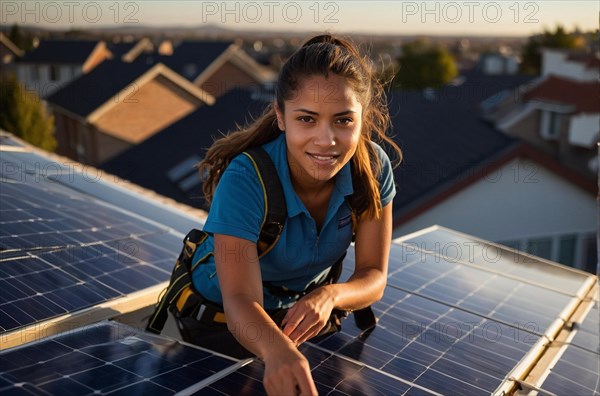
[
  {"x": 532, "y": 57},
  {"x": 425, "y": 66},
  {"x": 23, "y": 113}
]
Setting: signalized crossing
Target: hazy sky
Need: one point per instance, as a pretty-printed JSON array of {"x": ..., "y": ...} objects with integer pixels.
[{"x": 510, "y": 17}]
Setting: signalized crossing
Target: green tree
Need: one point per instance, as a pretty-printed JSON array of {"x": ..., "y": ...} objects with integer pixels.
[
  {"x": 424, "y": 66},
  {"x": 24, "y": 114},
  {"x": 532, "y": 57}
]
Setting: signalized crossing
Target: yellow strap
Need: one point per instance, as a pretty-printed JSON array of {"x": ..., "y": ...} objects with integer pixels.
[
  {"x": 183, "y": 297},
  {"x": 220, "y": 317}
]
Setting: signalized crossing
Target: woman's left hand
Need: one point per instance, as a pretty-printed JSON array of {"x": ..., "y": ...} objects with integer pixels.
[{"x": 308, "y": 315}]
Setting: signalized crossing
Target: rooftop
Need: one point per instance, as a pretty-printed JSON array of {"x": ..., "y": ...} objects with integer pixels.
[
  {"x": 61, "y": 51},
  {"x": 191, "y": 58},
  {"x": 198, "y": 130},
  {"x": 88, "y": 92},
  {"x": 464, "y": 143},
  {"x": 582, "y": 95}
]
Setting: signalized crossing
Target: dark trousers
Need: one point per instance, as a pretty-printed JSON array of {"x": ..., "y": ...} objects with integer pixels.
[{"x": 217, "y": 337}]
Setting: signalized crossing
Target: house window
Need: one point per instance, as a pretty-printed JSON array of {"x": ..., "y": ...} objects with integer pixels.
[
  {"x": 34, "y": 72},
  {"x": 575, "y": 250},
  {"x": 566, "y": 250},
  {"x": 589, "y": 253},
  {"x": 185, "y": 175},
  {"x": 550, "y": 125},
  {"x": 54, "y": 73}
]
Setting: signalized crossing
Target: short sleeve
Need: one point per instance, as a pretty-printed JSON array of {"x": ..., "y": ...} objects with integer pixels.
[
  {"x": 387, "y": 187},
  {"x": 237, "y": 207}
]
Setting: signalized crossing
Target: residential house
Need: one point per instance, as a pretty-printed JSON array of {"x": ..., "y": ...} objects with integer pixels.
[
  {"x": 215, "y": 66},
  {"x": 54, "y": 63},
  {"x": 559, "y": 112},
  {"x": 9, "y": 52},
  {"x": 577, "y": 66},
  {"x": 462, "y": 173},
  {"x": 175, "y": 150},
  {"x": 118, "y": 105}
]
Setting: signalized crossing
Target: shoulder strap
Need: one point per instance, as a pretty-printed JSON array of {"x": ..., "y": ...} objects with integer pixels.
[
  {"x": 275, "y": 207},
  {"x": 272, "y": 225}
]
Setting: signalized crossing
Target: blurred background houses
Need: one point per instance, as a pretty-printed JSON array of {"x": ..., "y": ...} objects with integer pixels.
[{"x": 499, "y": 134}]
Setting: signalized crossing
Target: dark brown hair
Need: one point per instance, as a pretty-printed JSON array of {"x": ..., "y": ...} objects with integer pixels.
[{"x": 320, "y": 55}]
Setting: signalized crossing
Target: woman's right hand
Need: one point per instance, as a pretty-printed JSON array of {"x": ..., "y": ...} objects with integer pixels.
[{"x": 287, "y": 372}]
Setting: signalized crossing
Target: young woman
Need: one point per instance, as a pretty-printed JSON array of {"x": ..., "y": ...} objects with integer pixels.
[{"x": 319, "y": 132}]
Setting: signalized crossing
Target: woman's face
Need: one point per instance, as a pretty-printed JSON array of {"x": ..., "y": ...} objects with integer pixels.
[{"x": 322, "y": 124}]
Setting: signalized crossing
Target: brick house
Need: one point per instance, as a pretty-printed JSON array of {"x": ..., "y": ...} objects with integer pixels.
[
  {"x": 118, "y": 105},
  {"x": 461, "y": 172},
  {"x": 175, "y": 175},
  {"x": 215, "y": 66}
]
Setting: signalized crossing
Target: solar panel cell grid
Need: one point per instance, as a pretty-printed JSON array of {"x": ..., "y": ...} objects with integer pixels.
[
  {"x": 62, "y": 252},
  {"x": 457, "y": 247},
  {"x": 333, "y": 375},
  {"x": 437, "y": 346},
  {"x": 507, "y": 300},
  {"x": 106, "y": 358}
]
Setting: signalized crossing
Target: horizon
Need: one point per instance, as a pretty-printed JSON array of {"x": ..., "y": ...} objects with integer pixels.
[{"x": 391, "y": 17}]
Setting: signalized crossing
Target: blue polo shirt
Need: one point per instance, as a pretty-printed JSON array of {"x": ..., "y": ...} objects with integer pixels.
[{"x": 302, "y": 255}]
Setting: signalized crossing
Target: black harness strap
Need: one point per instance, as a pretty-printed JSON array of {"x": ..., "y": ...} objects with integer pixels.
[
  {"x": 275, "y": 206},
  {"x": 180, "y": 284},
  {"x": 181, "y": 280}
]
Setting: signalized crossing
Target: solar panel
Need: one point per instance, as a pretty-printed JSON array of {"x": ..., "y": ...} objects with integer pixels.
[
  {"x": 62, "y": 251},
  {"x": 504, "y": 299},
  {"x": 108, "y": 357},
  {"x": 452, "y": 325},
  {"x": 333, "y": 375},
  {"x": 433, "y": 345},
  {"x": 578, "y": 370},
  {"x": 31, "y": 168},
  {"x": 457, "y": 247}
]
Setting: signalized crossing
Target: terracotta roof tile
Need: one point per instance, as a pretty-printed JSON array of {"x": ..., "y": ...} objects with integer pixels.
[{"x": 585, "y": 96}]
